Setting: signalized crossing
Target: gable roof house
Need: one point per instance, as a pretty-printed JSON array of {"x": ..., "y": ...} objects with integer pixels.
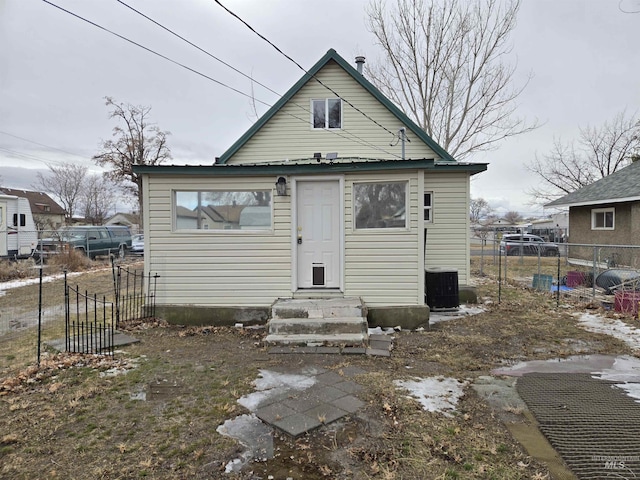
[
  {"x": 326, "y": 207},
  {"x": 607, "y": 212},
  {"x": 47, "y": 214}
]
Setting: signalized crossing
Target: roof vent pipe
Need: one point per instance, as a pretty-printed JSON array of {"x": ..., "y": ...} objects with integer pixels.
[{"x": 359, "y": 63}]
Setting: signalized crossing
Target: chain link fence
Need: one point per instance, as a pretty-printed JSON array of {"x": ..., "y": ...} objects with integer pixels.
[{"x": 608, "y": 275}]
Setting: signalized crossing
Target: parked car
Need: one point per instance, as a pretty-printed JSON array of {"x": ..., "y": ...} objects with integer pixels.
[
  {"x": 137, "y": 244},
  {"x": 89, "y": 240},
  {"x": 527, "y": 244}
]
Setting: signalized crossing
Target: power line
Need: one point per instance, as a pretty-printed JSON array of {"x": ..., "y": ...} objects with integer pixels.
[
  {"x": 355, "y": 137},
  {"x": 362, "y": 142},
  {"x": 41, "y": 144},
  {"x": 199, "y": 48},
  {"x": 153, "y": 52},
  {"x": 303, "y": 69}
]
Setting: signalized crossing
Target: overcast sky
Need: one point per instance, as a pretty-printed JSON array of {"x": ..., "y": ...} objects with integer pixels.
[{"x": 55, "y": 71}]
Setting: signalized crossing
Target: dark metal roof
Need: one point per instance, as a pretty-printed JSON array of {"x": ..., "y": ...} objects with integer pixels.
[
  {"x": 307, "y": 167},
  {"x": 621, "y": 186}
]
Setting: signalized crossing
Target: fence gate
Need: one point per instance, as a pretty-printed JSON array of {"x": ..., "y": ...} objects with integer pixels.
[
  {"x": 135, "y": 294},
  {"x": 89, "y": 322}
]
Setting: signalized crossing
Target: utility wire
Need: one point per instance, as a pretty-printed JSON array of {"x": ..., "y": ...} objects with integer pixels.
[
  {"x": 199, "y": 48},
  {"x": 25, "y": 156},
  {"x": 153, "y": 52},
  {"x": 42, "y": 144},
  {"x": 356, "y": 138},
  {"x": 362, "y": 142},
  {"x": 303, "y": 69}
]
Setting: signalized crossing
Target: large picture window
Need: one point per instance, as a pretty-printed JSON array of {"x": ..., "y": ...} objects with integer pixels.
[
  {"x": 380, "y": 205},
  {"x": 603, "y": 218},
  {"x": 327, "y": 113},
  {"x": 223, "y": 210}
]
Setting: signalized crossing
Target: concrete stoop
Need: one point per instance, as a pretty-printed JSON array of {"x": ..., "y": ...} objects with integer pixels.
[{"x": 318, "y": 321}]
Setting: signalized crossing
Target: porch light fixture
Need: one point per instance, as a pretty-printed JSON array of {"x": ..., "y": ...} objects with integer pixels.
[{"x": 281, "y": 186}]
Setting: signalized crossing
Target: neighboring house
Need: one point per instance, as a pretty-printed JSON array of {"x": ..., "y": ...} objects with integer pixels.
[
  {"x": 326, "y": 207},
  {"x": 47, "y": 214},
  {"x": 130, "y": 220},
  {"x": 607, "y": 212}
]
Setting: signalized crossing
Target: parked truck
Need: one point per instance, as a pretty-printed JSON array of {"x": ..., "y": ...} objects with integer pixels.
[
  {"x": 18, "y": 235},
  {"x": 92, "y": 241}
]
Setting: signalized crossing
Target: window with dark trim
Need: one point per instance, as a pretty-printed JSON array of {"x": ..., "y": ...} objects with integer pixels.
[{"x": 428, "y": 206}]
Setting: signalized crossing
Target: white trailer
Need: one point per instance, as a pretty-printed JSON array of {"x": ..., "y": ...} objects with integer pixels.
[{"x": 18, "y": 234}]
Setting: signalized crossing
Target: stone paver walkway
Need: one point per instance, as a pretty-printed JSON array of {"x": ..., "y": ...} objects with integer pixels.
[{"x": 331, "y": 398}]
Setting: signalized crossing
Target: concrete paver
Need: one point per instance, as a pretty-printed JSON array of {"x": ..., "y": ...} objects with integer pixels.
[{"x": 330, "y": 398}]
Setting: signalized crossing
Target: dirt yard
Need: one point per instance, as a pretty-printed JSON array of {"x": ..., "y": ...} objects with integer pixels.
[{"x": 153, "y": 411}]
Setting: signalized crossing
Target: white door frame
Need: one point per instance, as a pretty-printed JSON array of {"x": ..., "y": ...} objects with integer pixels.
[{"x": 294, "y": 226}]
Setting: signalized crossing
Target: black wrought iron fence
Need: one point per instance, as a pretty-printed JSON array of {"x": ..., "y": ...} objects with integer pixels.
[
  {"x": 135, "y": 293},
  {"x": 89, "y": 322}
]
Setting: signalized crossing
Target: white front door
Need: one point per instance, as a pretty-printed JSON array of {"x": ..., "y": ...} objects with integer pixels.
[
  {"x": 318, "y": 234},
  {"x": 3, "y": 229}
]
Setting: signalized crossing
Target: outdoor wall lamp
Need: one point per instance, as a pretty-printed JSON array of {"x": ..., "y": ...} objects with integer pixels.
[{"x": 281, "y": 186}]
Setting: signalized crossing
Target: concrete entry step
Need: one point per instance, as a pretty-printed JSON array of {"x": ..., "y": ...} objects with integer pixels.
[
  {"x": 318, "y": 308},
  {"x": 322, "y": 326},
  {"x": 318, "y": 321},
  {"x": 350, "y": 339}
]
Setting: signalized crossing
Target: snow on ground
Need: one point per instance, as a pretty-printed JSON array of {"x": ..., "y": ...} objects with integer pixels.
[
  {"x": 626, "y": 370},
  {"x": 23, "y": 282},
  {"x": 273, "y": 383},
  {"x": 611, "y": 326},
  {"x": 435, "y": 394},
  {"x": 462, "y": 311}
]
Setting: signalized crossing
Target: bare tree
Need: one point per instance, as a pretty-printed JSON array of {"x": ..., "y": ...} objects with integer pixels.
[
  {"x": 598, "y": 152},
  {"x": 65, "y": 182},
  {"x": 512, "y": 217},
  {"x": 444, "y": 65},
  {"x": 479, "y": 210},
  {"x": 136, "y": 142},
  {"x": 97, "y": 198}
]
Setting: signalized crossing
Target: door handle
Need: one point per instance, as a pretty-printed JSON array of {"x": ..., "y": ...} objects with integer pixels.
[{"x": 300, "y": 240}]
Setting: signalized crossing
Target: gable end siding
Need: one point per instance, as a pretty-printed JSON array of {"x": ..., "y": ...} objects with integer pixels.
[{"x": 288, "y": 134}]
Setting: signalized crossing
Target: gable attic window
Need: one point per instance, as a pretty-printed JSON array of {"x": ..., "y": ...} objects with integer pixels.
[
  {"x": 219, "y": 210},
  {"x": 603, "y": 218},
  {"x": 326, "y": 113},
  {"x": 380, "y": 205}
]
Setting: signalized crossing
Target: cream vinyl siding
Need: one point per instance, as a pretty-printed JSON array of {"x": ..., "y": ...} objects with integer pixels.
[
  {"x": 289, "y": 133},
  {"x": 381, "y": 265},
  {"x": 216, "y": 268},
  {"x": 448, "y": 240}
]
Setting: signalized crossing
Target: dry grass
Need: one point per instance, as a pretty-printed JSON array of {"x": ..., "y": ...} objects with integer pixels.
[{"x": 66, "y": 420}]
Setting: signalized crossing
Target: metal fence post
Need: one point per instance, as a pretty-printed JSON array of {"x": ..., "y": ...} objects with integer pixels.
[{"x": 39, "y": 315}]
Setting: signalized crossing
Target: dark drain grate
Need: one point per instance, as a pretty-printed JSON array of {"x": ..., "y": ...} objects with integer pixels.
[{"x": 594, "y": 425}]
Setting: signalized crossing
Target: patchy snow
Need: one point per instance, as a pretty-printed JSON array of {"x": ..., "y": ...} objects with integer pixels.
[
  {"x": 435, "y": 394},
  {"x": 254, "y": 435},
  {"x": 385, "y": 331},
  {"x": 611, "y": 326},
  {"x": 463, "y": 311},
  {"x": 272, "y": 384},
  {"x": 23, "y": 282},
  {"x": 626, "y": 370}
]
